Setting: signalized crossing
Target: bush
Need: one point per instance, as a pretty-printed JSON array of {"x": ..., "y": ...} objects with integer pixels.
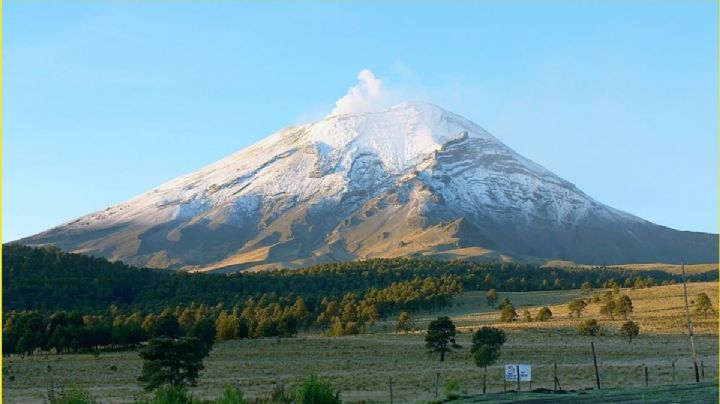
[
  {"x": 316, "y": 391},
  {"x": 576, "y": 307},
  {"x": 232, "y": 395},
  {"x": 74, "y": 395},
  {"x": 589, "y": 328},
  {"x": 544, "y": 314},
  {"x": 451, "y": 389},
  {"x": 508, "y": 313}
]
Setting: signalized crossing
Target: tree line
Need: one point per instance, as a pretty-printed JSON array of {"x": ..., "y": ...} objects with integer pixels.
[
  {"x": 47, "y": 279},
  {"x": 270, "y": 315}
]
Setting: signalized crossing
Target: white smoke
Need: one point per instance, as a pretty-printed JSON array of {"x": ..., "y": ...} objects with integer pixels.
[{"x": 369, "y": 95}]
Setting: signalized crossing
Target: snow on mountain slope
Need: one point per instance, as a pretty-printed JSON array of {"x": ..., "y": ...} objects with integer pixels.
[{"x": 411, "y": 180}]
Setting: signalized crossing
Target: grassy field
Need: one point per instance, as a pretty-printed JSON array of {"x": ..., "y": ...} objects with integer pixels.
[{"x": 363, "y": 365}]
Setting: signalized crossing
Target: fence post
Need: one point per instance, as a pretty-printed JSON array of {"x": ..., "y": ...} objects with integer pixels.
[
  {"x": 555, "y": 379},
  {"x": 391, "y": 392},
  {"x": 702, "y": 367},
  {"x": 518, "y": 376},
  {"x": 673, "y": 370},
  {"x": 646, "y": 376},
  {"x": 437, "y": 380},
  {"x": 597, "y": 375}
]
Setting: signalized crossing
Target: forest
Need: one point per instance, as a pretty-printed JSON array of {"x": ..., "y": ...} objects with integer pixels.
[{"x": 76, "y": 303}]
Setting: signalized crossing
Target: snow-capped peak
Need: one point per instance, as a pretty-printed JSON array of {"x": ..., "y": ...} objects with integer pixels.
[
  {"x": 412, "y": 178},
  {"x": 401, "y": 136}
]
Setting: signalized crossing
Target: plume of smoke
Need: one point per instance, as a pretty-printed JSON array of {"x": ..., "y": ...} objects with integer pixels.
[{"x": 368, "y": 95}]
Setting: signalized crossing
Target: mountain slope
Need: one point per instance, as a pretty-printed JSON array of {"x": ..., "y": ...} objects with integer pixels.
[{"x": 413, "y": 180}]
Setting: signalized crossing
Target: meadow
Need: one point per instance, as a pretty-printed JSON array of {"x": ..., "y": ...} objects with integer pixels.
[{"x": 362, "y": 366}]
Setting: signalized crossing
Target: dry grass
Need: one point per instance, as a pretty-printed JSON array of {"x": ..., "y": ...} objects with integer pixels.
[
  {"x": 658, "y": 310},
  {"x": 362, "y": 365},
  {"x": 671, "y": 268}
]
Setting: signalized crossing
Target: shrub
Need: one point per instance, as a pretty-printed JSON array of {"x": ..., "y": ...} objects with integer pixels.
[
  {"x": 703, "y": 304},
  {"x": 74, "y": 395},
  {"x": 450, "y": 389},
  {"x": 544, "y": 314},
  {"x": 404, "y": 323},
  {"x": 232, "y": 395},
  {"x": 508, "y": 313},
  {"x": 589, "y": 328},
  {"x": 576, "y": 307},
  {"x": 316, "y": 391}
]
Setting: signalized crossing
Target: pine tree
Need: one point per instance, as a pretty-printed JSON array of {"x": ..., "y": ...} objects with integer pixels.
[
  {"x": 440, "y": 336},
  {"x": 175, "y": 362},
  {"x": 624, "y": 306}
]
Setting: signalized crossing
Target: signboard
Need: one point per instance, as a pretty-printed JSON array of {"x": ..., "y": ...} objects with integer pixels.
[{"x": 511, "y": 373}]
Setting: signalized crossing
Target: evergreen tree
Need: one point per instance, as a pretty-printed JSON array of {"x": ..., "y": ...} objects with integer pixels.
[
  {"x": 176, "y": 362},
  {"x": 440, "y": 337},
  {"x": 486, "y": 345},
  {"x": 608, "y": 309},
  {"x": 624, "y": 306},
  {"x": 630, "y": 330}
]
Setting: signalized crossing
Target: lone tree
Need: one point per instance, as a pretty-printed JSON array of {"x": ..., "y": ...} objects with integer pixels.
[
  {"x": 492, "y": 297},
  {"x": 486, "y": 345},
  {"x": 703, "y": 304},
  {"x": 403, "y": 321},
  {"x": 544, "y": 314},
  {"x": 589, "y": 328},
  {"x": 630, "y": 330},
  {"x": 176, "y": 362},
  {"x": 576, "y": 307},
  {"x": 508, "y": 313},
  {"x": 440, "y": 336},
  {"x": 624, "y": 306}
]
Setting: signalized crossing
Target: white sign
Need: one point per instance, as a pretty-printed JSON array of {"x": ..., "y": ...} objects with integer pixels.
[{"x": 511, "y": 373}]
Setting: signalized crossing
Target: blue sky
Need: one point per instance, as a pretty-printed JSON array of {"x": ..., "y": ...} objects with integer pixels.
[{"x": 103, "y": 101}]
